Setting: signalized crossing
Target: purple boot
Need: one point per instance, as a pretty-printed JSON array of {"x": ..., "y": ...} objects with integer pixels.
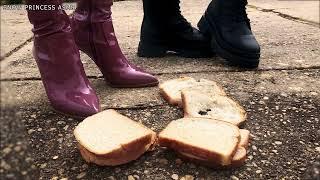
[
  {"x": 58, "y": 59},
  {"x": 95, "y": 36}
]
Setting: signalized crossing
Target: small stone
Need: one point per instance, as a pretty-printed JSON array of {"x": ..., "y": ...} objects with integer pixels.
[
  {"x": 302, "y": 169},
  {"x": 85, "y": 166},
  {"x": 146, "y": 171},
  {"x": 278, "y": 142},
  {"x": 318, "y": 149},
  {"x": 61, "y": 171},
  {"x": 258, "y": 171},
  {"x": 43, "y": 165},
  {"x": 265, "y": 98},
  {"x": 66, "y": 127},
  {"x": 55, "y": 157},
  {"x": 136, "y": 177},
  {"x": 60, "y": 140},
  {"x": 7, "y": 150},
  {"x": 187, "y": 177},
  {"x": 5, "y": 165},
  {"x": 17, "y": 148},
  {"x": 191, "y": 165},
  {"x": 111, "y": 178},
  {"x": 81, "y": 175},
  {"x": 64, "y": 179},
  {"x": 175, "y": 176},
  {"x": 314, "y": 93},
  {"x": 131, "y": 177},
  {"x": 61, "y": 122},
  {"x": 163, "y": 161},
  {"x": 33, "y": 116},
  {"x": 31, "y": 131},
  {"x": 54, "y": 178},
  {"x": 179, "y": 161},
  {"x": 117, "y": 170},
  {"x": 24, "y": 173},
  {"x": 10, "y": 176},
  {"x": 254, "y": 147},
  {"x": 234, "y": 178},
  {"x": 39, "y": 129}
]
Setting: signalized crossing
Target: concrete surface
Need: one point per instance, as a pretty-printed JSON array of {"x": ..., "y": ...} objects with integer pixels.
[
  {"x": 282, "y": 99},
  {"x": 15, "y": 29},
  {"x": 296, "y": 9}
]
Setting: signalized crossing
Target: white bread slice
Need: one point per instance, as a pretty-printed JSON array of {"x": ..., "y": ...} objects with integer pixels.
[
  {"x": 208, "y": 105},
  {"x": 171, "y": 90},
  {"x": 109, "y": 138},
  {"x": 208, "y": 139},
  {"x": 238, "y": 158}
]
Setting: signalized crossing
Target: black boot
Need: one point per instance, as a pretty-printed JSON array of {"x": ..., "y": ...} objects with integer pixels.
[
  {"x": 165, "y": 29},
  {"x": 228, "y": 26}
]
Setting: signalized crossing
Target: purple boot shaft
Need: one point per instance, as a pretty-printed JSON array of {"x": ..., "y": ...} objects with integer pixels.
[
  {"x": 58, "y": 60},
  {"x": 95, "y": 36}
]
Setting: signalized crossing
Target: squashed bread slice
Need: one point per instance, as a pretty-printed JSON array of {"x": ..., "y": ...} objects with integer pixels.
[
  {"x": 199, "y": 104},
  {"x": 171, "y": 90},
  {"x": 238, "y": 158},
  {"x": 208, "y": 139},
  {"x": 109, "y": 138}
]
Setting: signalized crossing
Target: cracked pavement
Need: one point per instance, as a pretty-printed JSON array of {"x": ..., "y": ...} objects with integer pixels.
[{"x": 282, "y": 98}]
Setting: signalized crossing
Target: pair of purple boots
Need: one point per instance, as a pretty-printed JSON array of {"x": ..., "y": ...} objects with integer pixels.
[{"x": 57, "y": 41}]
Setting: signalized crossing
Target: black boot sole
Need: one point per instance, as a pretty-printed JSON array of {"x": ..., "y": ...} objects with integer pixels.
[
  {"x": 242, "y": 60},
  {"x": 152, "y": 51}
]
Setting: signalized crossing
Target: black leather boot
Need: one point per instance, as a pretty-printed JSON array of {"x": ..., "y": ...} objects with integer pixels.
[
  {"x": 165, "y": 29},
  {"x": 226, "y": 23}
]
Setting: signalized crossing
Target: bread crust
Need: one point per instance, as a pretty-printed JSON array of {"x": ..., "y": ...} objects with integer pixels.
[
  {"x": 171, "y": 101},
  {"x": 237, "y": 160},
  {"x": 125, "y": 154},
  {"x": 194, "y": 85},
  {"x": 245, "y": 138}
]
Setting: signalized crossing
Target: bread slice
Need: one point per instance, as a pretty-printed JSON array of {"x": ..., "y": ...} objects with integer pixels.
[
  {"x": 238, "y": 158},
  {"x": 204, "y": 138},
  {"x": 109, "y": 138},
  {"x": 208, "y": 105},
  {"x": 171, "y": 90}
]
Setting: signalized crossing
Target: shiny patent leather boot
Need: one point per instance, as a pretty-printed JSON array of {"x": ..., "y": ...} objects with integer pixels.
[
  {"x": 226, "y": 23},
  {"x": 58, "y": 59},
  {"x": 95, "y": 36}
]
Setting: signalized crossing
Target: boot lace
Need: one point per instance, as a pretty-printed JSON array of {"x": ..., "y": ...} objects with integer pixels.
[{"x": 178, "y": 20}]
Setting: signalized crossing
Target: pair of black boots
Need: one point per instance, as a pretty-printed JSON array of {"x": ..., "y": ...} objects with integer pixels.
[{"x": 224, "y": 30}]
